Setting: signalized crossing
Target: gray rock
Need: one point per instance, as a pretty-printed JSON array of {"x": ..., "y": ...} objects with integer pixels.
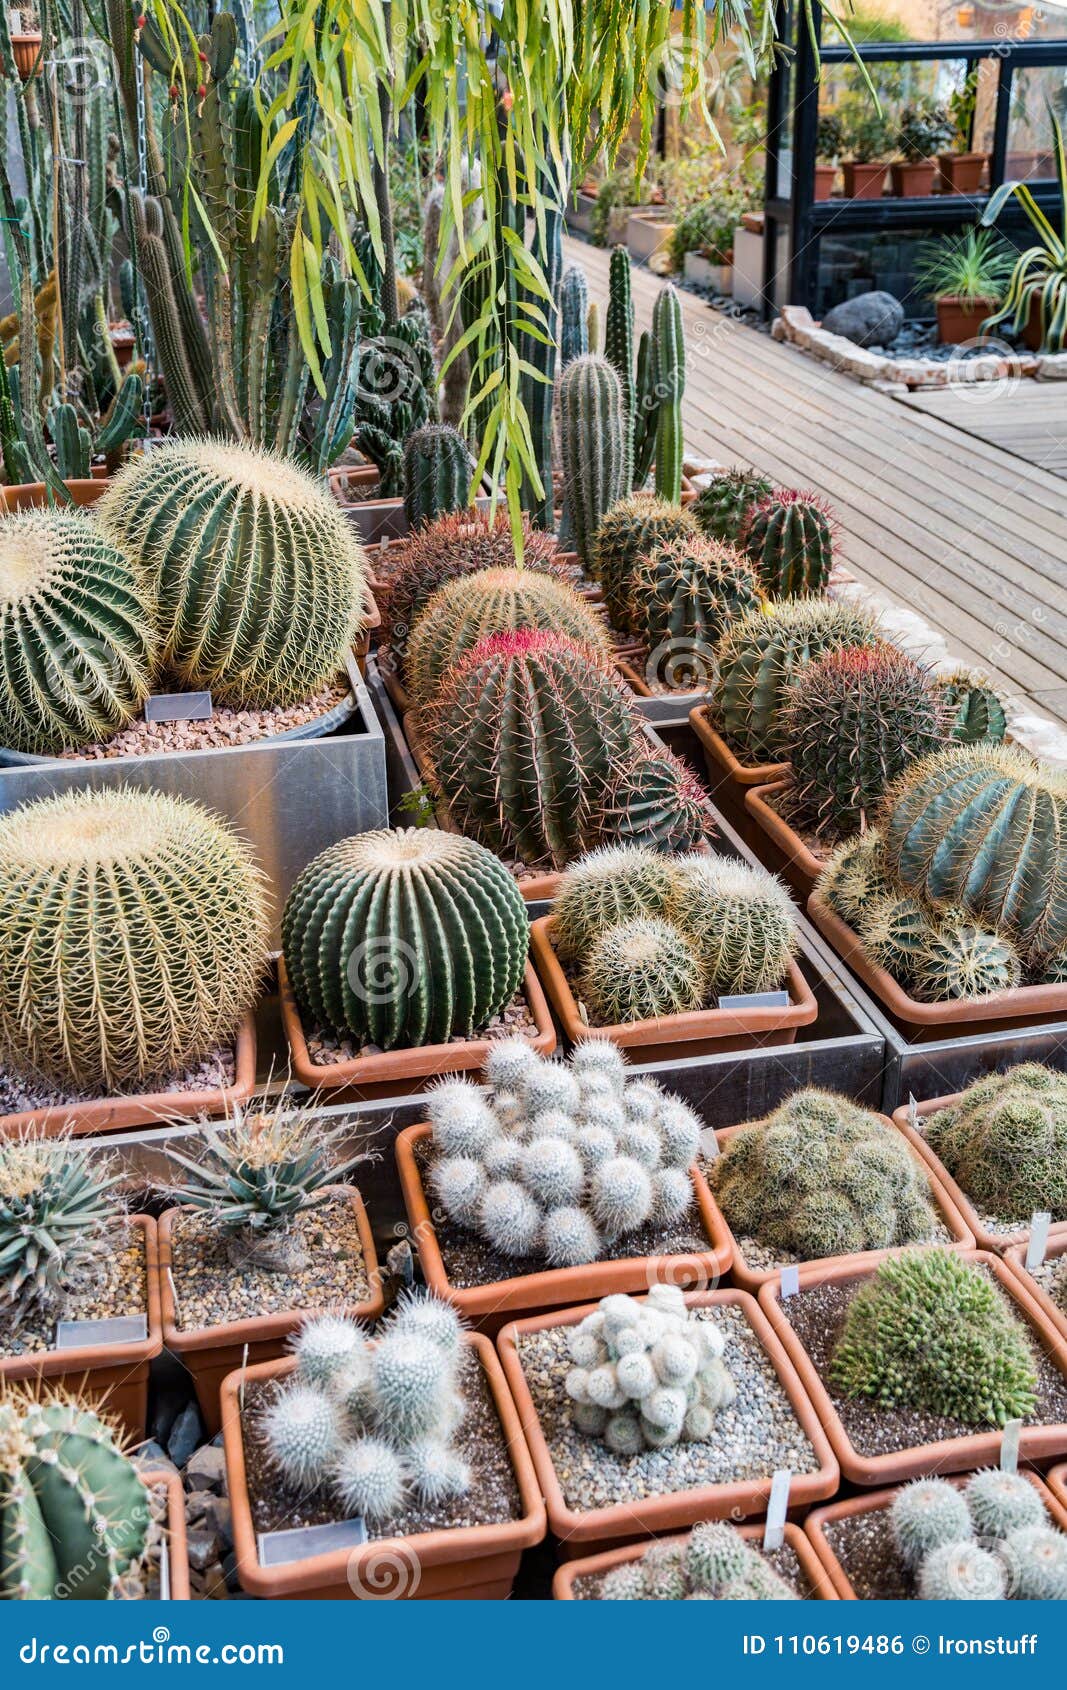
[
  {"x": 218, "y": 1519},
  {"x": 185, "y": 1435},
  {"x": 197, "y": 1503},
  {"x": 203, "y": 1549},
  {"x": 871, "y": 319},
  {"x": 153, "y": 1452},
  {"x": 206, "y": 1469}
]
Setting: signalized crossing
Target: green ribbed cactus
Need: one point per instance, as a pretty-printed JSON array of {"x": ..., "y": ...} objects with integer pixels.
[
  {"x": 853, "y": 721},
  {"x": 789, "y": 537},
  {"x": 607, "y": 888},
  {"x": 132, "y": 936},
  {"x": 855, "y": 876},
  {"x": 647, "y": 402},
  {"x": 669, "y": 337},
  {"x": 640, "y": 972},
  {"x": 74, "y": 1512},
  {"x": 495, "y": 601},
  {"x": 655, "y": 800},
  {"x": 1005, "y": 1142},
  {"x": 895, "y": 931},
  {"x": 437, "y": 473},
  {"x": 689, "y": 590},
  {"x": 722, "y": 507},
  {"x": 73, "y": 443},
  {"x": 525, "y": 736},
  {"x": 592, "y": 447},
  {"x": 982, "y": 828},
  {"x": 976, "y": 712},
  {"x": 405, "y": 937},
  {"x": 759, "y": 657},
  {"x": 619, "y": 341},
  {"x": 741, "y": 920},
  {"x": 629, "y": 532},
  {"x": 573, "y": 315},
  {"x": 77, "y": 641},
  {"x": 260, "y": 581},
  {"x": 959, "y": 960},
  {"x": 58, "y": 1208}
]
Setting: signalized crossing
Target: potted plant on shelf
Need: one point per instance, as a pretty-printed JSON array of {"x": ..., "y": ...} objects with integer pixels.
[
  {"x": 1035, "y": 304},
  {"x": 829, "y": 146},
  {"x": 923, "y": 128},
  {"x": 716, "y": 1561},
  {"x": 967, "y": 275},
  {"x": 961, "y": 169},
  {"x": 867, "y": 138}
]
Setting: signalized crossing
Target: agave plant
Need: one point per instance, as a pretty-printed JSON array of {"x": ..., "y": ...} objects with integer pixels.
[
  {"x": 971, "y": 267},
  {"x": 56, "y": 1204},
  {"x": 1040, "y": 274}
]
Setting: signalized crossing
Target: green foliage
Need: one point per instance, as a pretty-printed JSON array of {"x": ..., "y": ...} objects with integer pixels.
[
  {"x": 1005, "y": 1142},
  {"x": 830, "y": 139},
  {"x": 1038, "y": 282},
  {"x": 869, "y": 136},
  {"x": 923, "y": 130},
  {"x": 789, "y": 537},
  {"x": 722, "y": 507},
  {"x": 57, "y": 1203},
  {"x": 974, "y": 267}
]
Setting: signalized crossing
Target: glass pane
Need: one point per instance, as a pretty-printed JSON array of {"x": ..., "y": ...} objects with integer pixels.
[{"x": 1029, "y": 132}]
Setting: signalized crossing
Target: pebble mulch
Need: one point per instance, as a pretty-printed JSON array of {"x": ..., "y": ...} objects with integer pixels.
[
  {"x": 326, "y": 1047},
  {"x": 761, "y": 1260},
  {"x": 224, "y": 727},
  {"x": 111, "y": 1284},
  {"x": 752, "y": 1439},
  {"x": 19, "y": 1093},
  {"x": 783, "y": 1560},
  {"x": 1051, "y": 1275}
]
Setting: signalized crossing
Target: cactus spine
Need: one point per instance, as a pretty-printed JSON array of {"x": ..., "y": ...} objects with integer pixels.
[
  {"x": 977, "y": 713},
  {"x": 722, "y": 507},
  {"x": 437, "y": 473},
  {"x": 689, "y": 590},
  {"x": 592, "y": 442},
  {"x": 669, "y": 339},
  {"x": 655, "y": 800},
  {"x": 1005, "y": 1142},
  {"x": 629, "y": 532},
  {"x": 789, "y": 538}
]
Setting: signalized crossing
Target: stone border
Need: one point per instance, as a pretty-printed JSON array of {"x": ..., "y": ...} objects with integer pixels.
[{"x": 797, "y": 327}]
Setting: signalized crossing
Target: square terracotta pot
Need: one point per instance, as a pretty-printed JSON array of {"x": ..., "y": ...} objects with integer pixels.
[
  {"x": 950, "y": 1455},
  {"x": 668, "y": 1513},
  {"x": 825, "y": 177},
  {"x": 863, "y": 181},
  {"x": 913, "y": 178},
  {"x": 804, "y": 1548},
  {"x": 489, "y": 1306},
  {"x": 803, "y": 865},
  {"x": 961, "y": 173},
  {"x": 721, "y": 760},
  {"x": 1015, "y": 1260}
]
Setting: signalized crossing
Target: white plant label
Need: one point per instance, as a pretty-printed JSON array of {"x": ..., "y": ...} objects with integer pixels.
[
  {"x": 86, "y": 1334},
  {"x": 300, "y": 1543},
  {"x": 755, "y": 1000},
  {"x": 709, "y": 1144},
  {"x": 777, "y": 1504},
  {"x": 178, "y": 707},
  {"x": 1040, "y": 1221},
  {"x": 1009, "y": 1447},
  {"x": 913, "y": 1113},
  {"x": 790, "y": 1280}
]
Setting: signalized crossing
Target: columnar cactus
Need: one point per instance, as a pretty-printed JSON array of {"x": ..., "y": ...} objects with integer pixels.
[
  {"x": 77, "y": 637},
  {"x": 640, "y": 971},
  {"x": 405, "y": 937},
  {"x": 630, "y": 531},
  {"x": 592, "y": 447},
  {"x": 132, "y": 936},
  {"x": 437, "y": 473},
  {"x": 688, "y": 591},
  {"x": 788, "y": 535},
  {"x": 619, "y": 342},
  {"x": 573, "y": 315},
  {"x": 722, "y": 507},
  {"x": 976, "y": 713},
  {"x": 259, "y": 580},
  {"x": 669, "y": 337},
  {"x": 1005, "y": 1142},
  {"x": 56, "y": 1205},
  {"x": 655, "y": 799}
]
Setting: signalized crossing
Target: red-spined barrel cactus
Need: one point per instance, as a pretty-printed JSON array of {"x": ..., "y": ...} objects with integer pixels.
[{"x": 789, "y": 537}]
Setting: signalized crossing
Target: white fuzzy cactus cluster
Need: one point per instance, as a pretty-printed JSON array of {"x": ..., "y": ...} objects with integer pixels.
[
  {"x": 561, "y": 1160},
  {"x": 374, "y": 1421},
  {"x": 985, "y": 1541},
  {"x": 715, "y": 1564},
  {"x": 647, "y": 1375}
]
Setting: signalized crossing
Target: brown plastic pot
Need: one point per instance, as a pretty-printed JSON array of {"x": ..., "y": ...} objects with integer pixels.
[
  {"x": 389, "y": 1073},
  {"x": 863, "y": 181},
  {"x": 211, "y": 1352},
  {"x": 593, "y": 1566},
  {"x": 35, "y": 495},
  {"x": 163, "y": 1478},
  {"x": 1056, "y": 1480},
  {"x": 109, "y": 1114},
  {"x": 961, "y": 173},
  {"x": 26, "y": 49},
  {"x": 1024, "y": 1006},
  {"x": 912, "y": 179},
  {"x": 489, "y": 1306},
  {"x": 950, "y": 1455},
  {"x": 803, "y": 866},
  {"x": 961, "y": 320},
  {"x": 114, "y": 1375},
  {"x": 721, "y": 760},
  {"x": 1015, "y": 1261},
  {"x": 658, "y": 1514},
  {"x": 997, "y": 1242},
  {"x": 825, "y": 177},
  {"x": 752, "y": 1279},
  {"x": 460, "y": 1562},
  {"x": 701, "y": 1032},
  {"x": 872, "y": 1503}
]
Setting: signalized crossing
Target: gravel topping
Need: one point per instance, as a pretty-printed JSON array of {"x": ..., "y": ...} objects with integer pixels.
[
  {"x": 759, "y": 1259},
  {"x": 783, "y": 1560},
  {"x": 326, "y": 1046},
  {"x": 224, "y": 727},
  {"x": 19, "y": 1093},
  {"x": 114, "y": 1283},
  {"x": 1051, "y": 1275}
]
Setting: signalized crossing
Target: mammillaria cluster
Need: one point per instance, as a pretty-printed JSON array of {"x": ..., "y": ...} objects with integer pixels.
[
  {"x": 647, "y": 1375},
  {"x": 562, "y": 1160},
  {"x": 373, "y": 1421},
  {"x": 989, "y": 1539},
  {"x": 715, "y": 1563},
  {"x": 1005, "y": 1142}
]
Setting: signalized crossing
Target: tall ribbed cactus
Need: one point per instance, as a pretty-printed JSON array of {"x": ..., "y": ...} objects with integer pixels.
[
  {"x": 437, "y": 473},
  {"x": 573, "y": 315},
  {"x": 669, "y": 337},
  {"x": 74, "y": 1511},
  {"x": 260, "y": 581},
  {"x": 789, "y": 537},
  {"x": 405, "y": 937},
  {"x": 619, "y": 342},
  {"x": 722, "y": 507},
  {"x": 630, "y": 531},
  {"x": 132, "y": 936},
  {"x": 982, "y": 828},
  {"x": 592, "y": 440},
  {"x": 77, "y": 638},
  {"x": 540, "y": 350},
  {"x": 688, "y": 591},
  {"x": 647, "y": 402},
  {"x": 525, "y": 735}
]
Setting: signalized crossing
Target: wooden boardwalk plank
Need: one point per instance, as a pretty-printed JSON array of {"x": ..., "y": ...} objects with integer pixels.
[{"x": 1031, "y": 426}]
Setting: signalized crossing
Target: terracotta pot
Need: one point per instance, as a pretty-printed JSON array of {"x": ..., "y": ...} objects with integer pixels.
[
  {"x": 997, "y": 1242},
  {"x": 721, "y": 760},
  {"x": 591, "y": 1566},
  {"x": 1015, "y": 1260},
  {"x": 108, "y": 1114},
  {"x": 372, "y": 621},
  {"x": 113, "y": 1374},
  {"x": 1024, "y": 1006},
  {"x": 825, "y": 177},
  {"x": 211, "y": 1352},
  {"x": 912, "y": 179},
  {"x": 26, "y": 49},
  {"x": 35, "y": 495},
  {"x": 950, "y": 1455},
  {"x": 657, "y": 1514},
  {"x": 163, "y": 1478},
  {"x": 123, "y": 342},
  {"x": 961, "y": 173},
  {"x": 1032, "y": 335},
  {"x": 802, "y": 866},
  {"x": 701, "y": 1032},
  {"x": 872, "y": 1503},
  {"x": 391, "y": 1073},
  {"x": 1056, "y": 1480},
  {"x": 961, "y": 320},
  {"x": 466, "y": 1562},
  {"x": 489, "y": 1306},
  {"x": 863, "y": 181},
  {"x": 360, "y": 480},
  {"x": 752, "y": 1278}
]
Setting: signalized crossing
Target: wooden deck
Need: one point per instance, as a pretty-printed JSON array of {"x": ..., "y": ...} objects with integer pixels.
[
  {"x": 1030, "y": 422},
  {"x": 971, "y": 537}
]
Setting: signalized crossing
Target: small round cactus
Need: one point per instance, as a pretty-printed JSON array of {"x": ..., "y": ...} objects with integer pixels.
[
  {"x": 552, "y": 1172},
  {"x": 302, "y": 1432},
  {"x": 325, "y": 1347},
  {"x": 665, "y": 1572},
  {"x": 741, "y": 920},
  {"x": 436, "y": 1472},
  {"x": 789, "y": 536},
  {"x": 722, "y": 507},
  {"x": 422, "y": 1315},
  {"x": 412, "y": 1378},
  {"x": 1005, "y": 1142},
  {"x": 961, "y": 1572},
  {"x": 654, "y": 800},
  {"x": 570, "y": 1237},
  {"x": 855, "y": 877},
  {"x": 716, "y": 1555},
  {"x": 959, "y": 960},
  {"x": 625, "y": 1583},
  {"x": 640, "y": 971},
  {"x": 459, "y": 1184},
  {"x": 609, "y": 886},
  {"x": 368, "y": 1477},
  {"x": 976, "y": 713},
  {"x": 1035, "y": 1559},
  {"x": 510, "y": 1219},
  {"x": 621, "y": 1195},
  {"x": 895, "y": 931},
  {"x": 926, "y": 1515},
  {"x": 1001, "y": 1502},
  {"x": 599, "y": 1058},
  {"x": 510, "y": 1064}
]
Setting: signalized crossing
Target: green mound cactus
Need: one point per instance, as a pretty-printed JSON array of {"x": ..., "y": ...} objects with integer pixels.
[
  {"x": 855, "y": 877},
  {"x": 640, "y": 972},
  {"x": 932, "y": 1332},
  {"x": 655, "y": 800},
  {"x": 132, "y": 936},
  {"x": 611, "y": 886},
  {"x": 761, "y": 655},
  {"x": 74, "y": 1512},
  {"x": 853, "y": 721},
  {"x": 789, "y": 537},
  {"x": 1005, "y": 1142},
  {"x": 895, "y": 931},
  {"x": 495, "y": 601},
  {"x": 688, "y": 590},
  {"x": 722, "y": 507},
  {"x": 959, "y": 960},
  {"x": 405, "y": 936},
  {"x": 77, "y": 638},
  {"x": 822, "y": 1177},
  {"x": 259, "y": 580},
  {"x": 982, "y": 828},
  {"x": 741, "y": 920},
  {"x": 593, "y": 442},
  {"x": 437, "y": 473},
  {"x": 56, "y": 1204},
  {"x": 976, "y": 713},
  {"x": 629, "y": 532}
]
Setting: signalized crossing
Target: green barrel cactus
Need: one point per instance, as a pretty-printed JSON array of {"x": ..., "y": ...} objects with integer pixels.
[
  {"x": 788, "y": 535},
  {"x": 689, "y": 590},
  {"x": 77, "y": 637},
  {"x": 959, "y": 960},
  {"x": 741, "y": 919},
  {"x": 982, "y": 828},
  {"x": 722, "y": 507},
  {"x": 895, "y": 931},
  {"x": 259, "y": 580},
  {"x": 640, "y": 972},
  {"x": 495, "y": 601},
  {"x": 525, "y": 735},
  {"x": 1005, "y": 1142},
  {"x": 855, "y": 877},
  {"x": 609, "y": 887},
  {"x": 437, "y": 473},
  {"x": 629, "y": 532},
  {"x": 405, "y": 937},
  {"x": 669, "y": 338},
  {"x": 132, "y": 937},
  {"x": 760, "y": 656},
  {"x": 977, "y": 714},
  {"x": 74, "y": 1511},
  {"x": 592, "y": 447},
  {"x": 655, "y": 800}
]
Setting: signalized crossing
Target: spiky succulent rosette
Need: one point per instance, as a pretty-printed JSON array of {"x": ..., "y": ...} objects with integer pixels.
[
  {"x": 56, "y": 1205},
  {"x": 789, "y": 536},
  {"x": 259, "y": 580}
]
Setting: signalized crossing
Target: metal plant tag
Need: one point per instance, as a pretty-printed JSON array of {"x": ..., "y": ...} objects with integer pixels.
[
  {"x": 756, "y": 1000},
  {"x": 120, "y": 1329},
  {"x": 178, "y": 707},
  {"x": 301, "y": 1543}
]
